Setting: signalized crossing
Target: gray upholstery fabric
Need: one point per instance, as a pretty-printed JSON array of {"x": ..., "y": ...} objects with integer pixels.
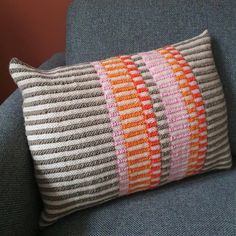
[
  {"x": 199, "y": 206},
  {"x": 99, "y": 29},
  {"x": 20, "y": 204}
]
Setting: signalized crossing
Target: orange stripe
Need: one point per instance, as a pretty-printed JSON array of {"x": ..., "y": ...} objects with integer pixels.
[
  {"x": 133, "y": 124},
  {"x": 134, "y": 133},
  {"x": 114, "y": 67},
  {"x": 132, "y": 114},
  {"x": 126, "y": 97},
  {"x": 201, "y": 121},
  {"x": 119, "y": 81},
  {"x": 137, "y": 80},
  {"x": 127, "y": 106},
  {"x": 137, "y": 169},
  {"x": 142, "y": 159},
  {"x": 170, "y": 55},
  {"x": 124, "y": 89},
  {"x": 138, "y": 151},
  {"x": 135, "y": 143},
  {"x": 132, "y": 178},
  {"x": 130, "y": 87},
  {"x": 117, "y": 74}
]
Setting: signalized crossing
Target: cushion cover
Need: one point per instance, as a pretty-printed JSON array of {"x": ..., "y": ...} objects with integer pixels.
[{"x": 129, "y": 123}]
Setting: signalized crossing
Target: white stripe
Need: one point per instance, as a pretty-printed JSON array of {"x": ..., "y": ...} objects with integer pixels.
[
  {"x": 196, "y": 49},
  {"x": 75, "y": 172},
  {"x": 198, "y": 56},
  {"x": 64, "y": 104},
  {"x": 83, "y": 197},
  {"x": 55, "y": 75},
  {"x": 60, "y": 115},
  {"x": 77, "y": 181},
  {"x": 72, "y": 152},
  {"x": 80, "y": 189},
  {"x": 58, "y": 95},
  {"x": 67, "y": 163},
  {"x": 67, "y": 143},
  {"x": 66, "y": 133},
  {"x": 183, "y": 45},
  {"x": 64, "y": 212}
]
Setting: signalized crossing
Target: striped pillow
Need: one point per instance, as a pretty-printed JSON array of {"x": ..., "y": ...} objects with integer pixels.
[{"x": 110, "y": 128}]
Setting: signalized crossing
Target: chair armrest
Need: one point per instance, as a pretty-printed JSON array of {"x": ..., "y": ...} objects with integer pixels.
[{"x": 20, "y": 203}]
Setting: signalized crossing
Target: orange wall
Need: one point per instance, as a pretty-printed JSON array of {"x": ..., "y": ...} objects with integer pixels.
[{"x": 31, "y": 30}]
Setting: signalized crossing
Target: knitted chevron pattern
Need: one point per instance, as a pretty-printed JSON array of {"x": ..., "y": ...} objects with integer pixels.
[{"x": 109, "y": 128}]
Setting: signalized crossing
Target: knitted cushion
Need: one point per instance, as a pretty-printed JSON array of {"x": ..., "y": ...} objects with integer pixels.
[{"x": 109, "y": 128}]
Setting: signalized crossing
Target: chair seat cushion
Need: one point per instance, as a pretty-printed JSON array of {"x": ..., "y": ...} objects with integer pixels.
[{"x": 201, "y": 205}]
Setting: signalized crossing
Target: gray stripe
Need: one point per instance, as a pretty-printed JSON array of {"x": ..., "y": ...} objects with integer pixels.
[
  {"x": 68, "y": 127},
  {"x": 218, "y": 155},
  {"x": 157, "y": 107},
  {"x": 196, "y": 42},
  {"x": 198, "y": 58},
  {"x": 213, "y": 94},
  {"x": 219, "y": 166},
  {"x": 84, "y": 155},
  {"x": 41, "y": 84},
  {"x": 63, "y": 98},
  {"x": 217, "y": 149},
  {"x": 214, "y": 133},
  {"x": 81, "y": 193},
  {"x": 220, "y": 162},
  {"x": 74, "y": 136},
  {"x": 216, "y": 127},
  {"x": 204, "y": 79},
  {"x": 91, "y": 198},
  {"x": 80, "y": 166},
  {"x": 206, "y": 70},
  {"x": 196, "y": 49},
  {"x": 78, "y": 176},
  {"x": 216, "y": 119},
  {"x": 72, "y": 147},
  {"x": 79, "y": 185},
  {"x": 70, "y": 107},
  {"x": 214, "y": 103},
  {"x": 47, "y": 214},
  {"x": 162, "y": 117},
  {"x": 52, "y": 72},
  {"x": 217, "y": 110},
  {"x": 214, "y": 137},
  {"x": 200, "y": 66},
  {"x": 51, "y": 79},
  {"x": 64, "y": 90},
  {"x": 221, "y": 157},
  {"x": 202, "y": 63},
  {"x": 185, "y": 42}
]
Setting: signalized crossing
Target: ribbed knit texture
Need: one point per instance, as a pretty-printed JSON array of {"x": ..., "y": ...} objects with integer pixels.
[{"x": 109, "y": 128}]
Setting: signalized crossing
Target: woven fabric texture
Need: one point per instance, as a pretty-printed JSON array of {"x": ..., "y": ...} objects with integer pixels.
[{"x": 129, "y": 123}]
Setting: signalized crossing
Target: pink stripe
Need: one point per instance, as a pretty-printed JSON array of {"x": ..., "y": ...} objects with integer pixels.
[
  {"x": 156, "y": 64},
  {"x": 117, "y": 129}
]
